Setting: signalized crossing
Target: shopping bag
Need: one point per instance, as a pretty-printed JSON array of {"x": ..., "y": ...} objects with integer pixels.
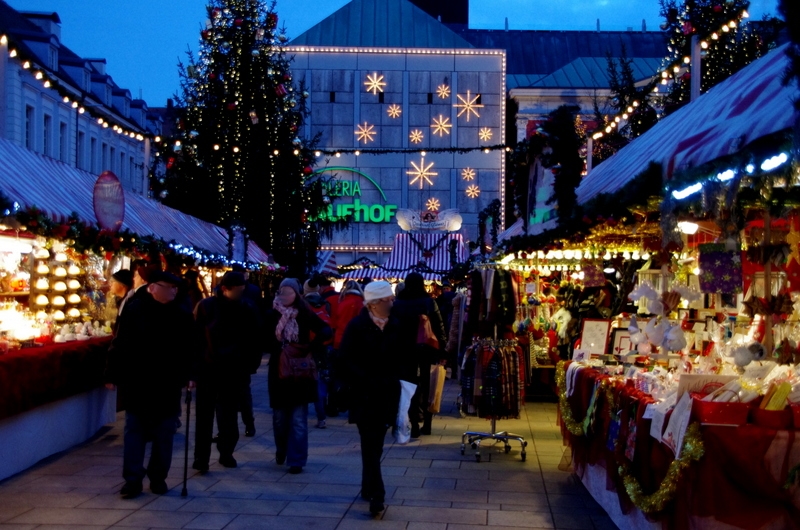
[
  {"x": 438, "y": 375},
  {"x": 425, "y": 333},
  {"x": 402, "y": 425}
]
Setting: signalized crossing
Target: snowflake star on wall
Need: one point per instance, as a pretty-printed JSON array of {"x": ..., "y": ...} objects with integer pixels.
[
  {"x": 415, "y": 136},
  {"x": 394, "y": 111},
  {"x": 374, "y": 83},
  {"x": 421, "y": 173},
  {"x": 441, "y": 125},
  {"x": 443, "y": 91},
  {"x": 485, "y": 134},
  {"x": 366, "y": 133},
  {"x": 468, "y": 173},
  {"x": 468, "y": 105},
  {"x": 433, "y": 205},
  {"x": 473, "y": 191}
]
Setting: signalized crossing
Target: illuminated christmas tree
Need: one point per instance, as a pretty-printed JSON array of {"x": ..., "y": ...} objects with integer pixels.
[{"x": 239, "y": 159}]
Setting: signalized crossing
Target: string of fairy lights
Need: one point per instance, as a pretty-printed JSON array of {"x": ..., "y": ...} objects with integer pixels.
[
  {"x": 670, "y": 71},
  {"x": 51, "y": 81}
]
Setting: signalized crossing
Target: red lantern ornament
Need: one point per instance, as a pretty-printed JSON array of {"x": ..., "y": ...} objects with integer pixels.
[
  {"x": 212, "y": 76},
  {"x": 216, "y": 12},
  {"x": 287, "y": 77},
  {"x": 170, "y": 162},
  {"x": 232, "y": 106},
  {"x": 205, "y": 34},
  {"x": 688, "y": 29},
  {"x": 238, "y": 22},
  {"x": 281, "y": 90},
  {"x": 272, "y": 20},
  {"x": 717, "y": 8},
  {"x": 308, "y": 170}
]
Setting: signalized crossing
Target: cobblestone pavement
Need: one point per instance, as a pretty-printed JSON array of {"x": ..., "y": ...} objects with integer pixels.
[{"x": 430, "y": 485}]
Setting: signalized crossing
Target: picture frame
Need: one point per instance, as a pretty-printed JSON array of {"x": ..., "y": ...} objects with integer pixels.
[
  {"x": 594, "y": 335},
  {"x": 683, "y": 314},
  {"x": 621, "y": 342}
]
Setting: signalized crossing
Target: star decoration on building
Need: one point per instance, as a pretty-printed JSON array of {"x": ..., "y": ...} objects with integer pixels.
[
  {"x": 468, "y": 173},
  {"x": 443, "y": 91},
  {"x": 441, "y": 125},
  {"x": 485, "y": 134},
  {"x": 422, "y": 173},
  {"x": 375, "y": 83},
  {"x": 468, "y": 105},
  {"x": 394, "y": 111},
  {"x": 473, "y": 191},
  {"x": 415, "y": 136},
  {"x": 433, "y": 205},
  {"x": 366, "y": 133}
]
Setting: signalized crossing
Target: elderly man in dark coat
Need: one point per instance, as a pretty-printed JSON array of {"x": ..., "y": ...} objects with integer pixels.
[{"x": 149, "y": 361}]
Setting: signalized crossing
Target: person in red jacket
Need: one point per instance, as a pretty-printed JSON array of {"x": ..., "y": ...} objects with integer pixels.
[{"x": 351, "y": 302}]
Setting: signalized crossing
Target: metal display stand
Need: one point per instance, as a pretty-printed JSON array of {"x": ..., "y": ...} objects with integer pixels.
[{"x": 475, "y": 439}]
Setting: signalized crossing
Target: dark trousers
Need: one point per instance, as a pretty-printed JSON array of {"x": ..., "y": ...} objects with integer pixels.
[
  {"x": 372, "y": 437},
  {"x": 246, "y": 405},
  {"x": 139, "y": 429},
  {"x": 220, "y": 397},
  {"x": 418, "y": 411},
  {"x": 290, "y": 426}
]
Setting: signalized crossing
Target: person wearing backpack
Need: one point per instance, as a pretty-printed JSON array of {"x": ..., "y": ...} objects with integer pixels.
[
  {"x": 292, "y": 371},
  {"x": 229, "y": 329},
  {"x": 322, "y": 309}
]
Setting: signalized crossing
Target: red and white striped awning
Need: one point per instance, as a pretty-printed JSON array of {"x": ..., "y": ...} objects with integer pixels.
[
  {"x": 327, "y": 262},
  {"x": 32, "y": 179},
  {"x": 418, "y": 251},
  {"x": 750, "y": 104}
]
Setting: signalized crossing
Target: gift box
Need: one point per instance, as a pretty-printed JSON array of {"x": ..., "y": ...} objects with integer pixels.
[
  {"x": 720, "y": 412},
  {"x": 721, "y": 269},
  {"x": 772, "y": 419}
]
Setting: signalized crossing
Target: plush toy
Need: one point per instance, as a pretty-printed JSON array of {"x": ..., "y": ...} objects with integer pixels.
[{"x": 747, "y": 353}]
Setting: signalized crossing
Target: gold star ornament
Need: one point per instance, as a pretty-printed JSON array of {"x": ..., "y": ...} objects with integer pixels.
[
  {"x": 433, "y": 205},
  {"x": 443, "y": 91},
  {"x": 468, "y": 105},
  {"x": 441, "y": 125},
  {"x": 366, "y": 133},
  {"x": 374, "y": 83},
  {"x": 793, "y": 238},
  {"x": 468, "y": 173},
  {"x": 421, "y": 173},
  {"x": 473, "y": 191},
  {"x": 415, "y": 136},
  {"x": 394, "y": 111},
  {"x": 485, "y": 134}
]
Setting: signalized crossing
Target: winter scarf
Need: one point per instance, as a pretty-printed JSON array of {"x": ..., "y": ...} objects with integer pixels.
[{"x": 287, "y": 328}]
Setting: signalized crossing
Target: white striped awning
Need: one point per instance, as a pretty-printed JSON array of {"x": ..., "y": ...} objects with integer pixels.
[
  {"x": 32, "y": 179},
  {"x": 425, "y": 252},
  {"x": 326, "y": 262},
  {"x": 750, "y": 104}
]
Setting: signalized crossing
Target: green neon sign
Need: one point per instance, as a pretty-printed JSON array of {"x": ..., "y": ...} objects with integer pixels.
[{"x": 361, "y": 213}]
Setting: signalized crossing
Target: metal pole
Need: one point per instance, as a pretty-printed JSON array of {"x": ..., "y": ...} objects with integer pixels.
[
  {"x": 697, "y": 68},
  {"x": 589, "y": 150}
]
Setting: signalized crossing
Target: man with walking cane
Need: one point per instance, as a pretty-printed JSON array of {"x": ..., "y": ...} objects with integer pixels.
[{"x": 149, "y": 361}]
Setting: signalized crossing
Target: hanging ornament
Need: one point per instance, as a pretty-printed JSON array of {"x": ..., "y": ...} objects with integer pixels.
[
  {"x": 163, "y": 194},
  {"x": 296, "y": 141},
  {"x": 326, "y": 200},
  {"x": 209, "y": 25},
  {"x": 717, "y": 8},
  {"x": 292, "y": 102},
  {"x": 260, "y": 34},
  {"x": 193, "y": 133},
  {"x": 161, "y": 181},
  {"x": 205, "y": 34},
  {"x": 226, "y": 11},
  {"x": 287, "y": 77},
  {"x": 253, "y": 117},
  {"x": 255, "y": 52},
  {"x": 216, "y": 12},
  {"x": 687, "y": 28},
  {"x": 212, "y": 76},
  {"x": 170, "y": 162},
  {"x": 272, "y": 20},
  {"x": 308, "y": 170},
  {"x": 281, "y": 90},
  {"x": 191, "y": 71},
  {"x": 232, "y": 106},
  {"x": 282, "y": 37},
  {"x": 225, "y": 47},
  {"x": 238, "y": 22},
  {"x": 270, "y": 71},
  {"x": 305, "y": 94}
]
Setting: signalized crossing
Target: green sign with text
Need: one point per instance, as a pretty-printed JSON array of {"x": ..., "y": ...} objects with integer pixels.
[{"x": 361, "y": 213}]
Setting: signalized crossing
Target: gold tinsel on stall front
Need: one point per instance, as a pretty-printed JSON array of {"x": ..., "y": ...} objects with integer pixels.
[{"x": 574, "y": 427}]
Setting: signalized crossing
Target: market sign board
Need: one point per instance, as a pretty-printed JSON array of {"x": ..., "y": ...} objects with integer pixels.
[
  {"x": 109, "y": 201},
  {"x": 355, "y": 211}
]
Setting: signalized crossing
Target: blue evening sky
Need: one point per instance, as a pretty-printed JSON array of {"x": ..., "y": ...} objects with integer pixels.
[{"x": 143, "y": 39}]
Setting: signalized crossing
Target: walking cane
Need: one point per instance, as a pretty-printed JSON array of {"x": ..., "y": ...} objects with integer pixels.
[{"x": 185, "y": 492}]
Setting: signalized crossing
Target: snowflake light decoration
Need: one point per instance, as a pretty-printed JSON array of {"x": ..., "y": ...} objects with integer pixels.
[
  {"x": 366, "y": 133},
  {"x": 485, "y": 134},
  {"x": 441, "y": 125},
  {"x": 473, "y": 191},
  {"x": 394, "y": 111},
  {"x": 374, "y": 83},
  {"x": 468, "y": 105},
  {"x": 443, "y": 91},
  {"x": 415, "y": 136},
  {"x": 433, "y": 205},
  {"x": 421, "y": 173},
  {"x": 468, "y": 173}
]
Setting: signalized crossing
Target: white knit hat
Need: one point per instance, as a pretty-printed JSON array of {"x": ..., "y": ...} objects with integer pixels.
[{"x": 377, "y": 290}]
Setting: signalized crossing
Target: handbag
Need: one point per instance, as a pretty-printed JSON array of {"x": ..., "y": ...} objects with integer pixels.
[
  {"x": 425, "y": 333},
  {"x": 296, "y": 362},
  {"x": 438, "y": 375}
]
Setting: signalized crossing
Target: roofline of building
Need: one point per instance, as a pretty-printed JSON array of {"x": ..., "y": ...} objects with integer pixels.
[
  {"x": 302, "y": 48},
  {"x": 52, "y": 15}
]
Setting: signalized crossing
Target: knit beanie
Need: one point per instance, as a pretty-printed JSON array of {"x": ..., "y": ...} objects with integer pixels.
[
  {"x": 377, "y": 290},
  {"x": 294, "y": 283},
  {"x": 308, "y": 288}
]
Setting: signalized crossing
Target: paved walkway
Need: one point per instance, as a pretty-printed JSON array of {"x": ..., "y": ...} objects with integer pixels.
[{"x": 430, "y": 485}]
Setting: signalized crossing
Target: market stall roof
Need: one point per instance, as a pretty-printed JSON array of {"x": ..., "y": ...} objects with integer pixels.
[
  {"x": 32, "y": 179},
  {"x": 412, "y": 249},
  {"x": 327, "y": 262},
  {"x": 750, "y": 104}
]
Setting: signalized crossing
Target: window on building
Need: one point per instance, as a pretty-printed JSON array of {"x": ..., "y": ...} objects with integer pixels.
[
  {"x": 47, "y": 133},
  {"x": 29, "y": 138},
  {"x": 132, "y": 172},
  {"x": 122, "y": 169},
  {"x": 93, "y": 159},
  {"x": 112, "y": 160},
  {"x": 333, "y": 97},
  {"x": 104, "y": 161},
  {"x": 80, "y": 154},
  {"x": 430, "y": 98},
  {"x": 63, "y": 138}
]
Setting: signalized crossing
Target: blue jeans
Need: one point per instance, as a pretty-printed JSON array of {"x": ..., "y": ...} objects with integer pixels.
[
  {"x": 322, "y": 398},
  {"x": 138, "y": 431},
  {"x": 291, "y": 434}
]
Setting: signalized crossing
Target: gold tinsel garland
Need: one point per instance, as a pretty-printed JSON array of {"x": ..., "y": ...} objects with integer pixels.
[{"x": 693, "y": 449}]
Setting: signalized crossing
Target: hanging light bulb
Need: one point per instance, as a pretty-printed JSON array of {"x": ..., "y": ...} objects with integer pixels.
[
  {"x": 568, "y": 254},
  {"x": 607, "y": 255},
  {"x": 626, "y": 255},
  {"x": 587, "y": 255},
  {"x": 646, "y": 255},
  {"x": 635, "y": 255}
]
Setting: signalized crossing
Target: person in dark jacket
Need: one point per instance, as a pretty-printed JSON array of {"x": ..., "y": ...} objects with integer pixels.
[
  {"x": 293, "y": 322},
  {"x": 228, "y": 327},
  {"x": 411, "y": 303},
  {"x": 149, "y": 361},
  {"x": 373, "y": 350}
]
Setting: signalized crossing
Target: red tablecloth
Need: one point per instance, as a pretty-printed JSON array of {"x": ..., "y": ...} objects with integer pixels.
[
  {"x": 739, "y": 480},
  {"x": 35, "y": 376}
]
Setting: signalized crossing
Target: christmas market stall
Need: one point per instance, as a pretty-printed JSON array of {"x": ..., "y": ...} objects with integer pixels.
[
  {"x": 679, "y": 384},
  {"x": 63, "y": 232}
]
